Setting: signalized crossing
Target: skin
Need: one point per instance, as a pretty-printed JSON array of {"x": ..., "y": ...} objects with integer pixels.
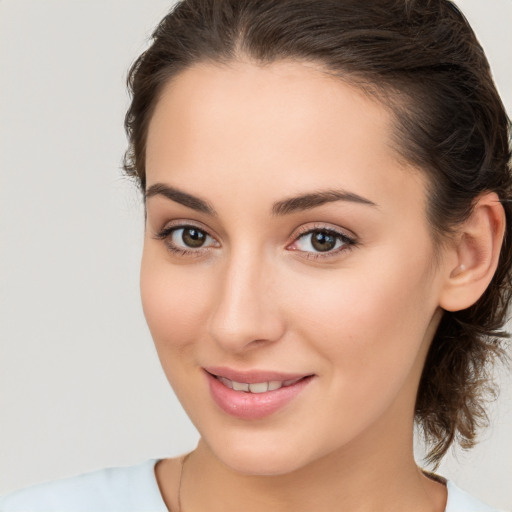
[{"x": 257, "y": 296}]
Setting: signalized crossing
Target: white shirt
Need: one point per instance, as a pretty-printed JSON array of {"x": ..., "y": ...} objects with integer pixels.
[{"x": 135, "y": 489}]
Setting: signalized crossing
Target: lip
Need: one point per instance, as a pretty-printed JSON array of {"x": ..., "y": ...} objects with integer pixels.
[
  {"x": 252, "y": 406},
  {"x": 252, "y": 376}
]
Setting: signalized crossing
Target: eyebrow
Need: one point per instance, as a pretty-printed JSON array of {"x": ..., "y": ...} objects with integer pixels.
[
  {"x": 174, "y": 194},
  {"x": 314, "y": 199},
  {"x": 284, "y": 207}
]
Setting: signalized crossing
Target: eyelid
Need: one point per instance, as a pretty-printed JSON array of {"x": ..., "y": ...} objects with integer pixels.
[
  {"x": 184, "y": 223},
  {"x": 166, "y": 232},
  {"x": 349, "y": 240},
  {"x": 321, "y": 226}
]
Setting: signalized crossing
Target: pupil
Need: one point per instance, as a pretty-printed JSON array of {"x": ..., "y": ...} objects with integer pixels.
[
  {"x": 323, "y": 241},
  {"x": 193, "y": 237}
]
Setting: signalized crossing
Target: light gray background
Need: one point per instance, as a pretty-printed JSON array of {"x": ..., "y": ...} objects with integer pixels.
[{"x": 80, "y": 384}]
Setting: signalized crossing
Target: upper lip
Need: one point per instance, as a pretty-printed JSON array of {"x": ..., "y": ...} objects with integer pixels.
[{"x": 253, "y": 376}]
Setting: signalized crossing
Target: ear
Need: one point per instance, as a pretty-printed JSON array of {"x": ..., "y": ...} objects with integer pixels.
[{"x": 474, "y": 254}]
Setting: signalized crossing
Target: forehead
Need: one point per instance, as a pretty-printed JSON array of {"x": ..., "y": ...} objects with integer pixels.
[
  {"x": 288, "y": 99},
  {"x": 287, "y": 125}
]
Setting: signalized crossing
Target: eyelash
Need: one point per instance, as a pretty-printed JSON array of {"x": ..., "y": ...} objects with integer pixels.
[
  {"x": 166, "y": 233},
  {"x": 348, "y": 242}
]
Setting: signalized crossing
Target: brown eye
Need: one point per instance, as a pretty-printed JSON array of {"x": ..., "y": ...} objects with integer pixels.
[
  {"x": 192, "y": 237},
  {"x": 187, "y": 241},
  {"x": 322, "y": 241}
]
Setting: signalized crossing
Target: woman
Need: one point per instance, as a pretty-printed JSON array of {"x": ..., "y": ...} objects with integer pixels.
[{"x": 326, "y": 258}]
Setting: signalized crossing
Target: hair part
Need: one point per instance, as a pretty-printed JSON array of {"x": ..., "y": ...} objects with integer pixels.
[{"x": 420, "y": 59}]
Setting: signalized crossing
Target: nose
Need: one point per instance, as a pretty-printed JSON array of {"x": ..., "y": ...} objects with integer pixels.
[{"x": 245, "y": 314}]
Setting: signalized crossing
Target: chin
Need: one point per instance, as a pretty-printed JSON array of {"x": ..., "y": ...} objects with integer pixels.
[{"x": 261, "y": 460}]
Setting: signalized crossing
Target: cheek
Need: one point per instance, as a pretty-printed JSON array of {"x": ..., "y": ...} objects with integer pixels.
[
  {"x": 367, "y": 333},
  {"x": 173, "y": 299},
  {"x": 369, "y": 322}
]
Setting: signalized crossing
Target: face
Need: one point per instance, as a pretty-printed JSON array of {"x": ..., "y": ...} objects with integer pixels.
[{"x": 287, "y": 274}]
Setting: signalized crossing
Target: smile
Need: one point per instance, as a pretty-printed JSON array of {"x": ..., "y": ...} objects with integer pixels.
[
  {"x": 255, "y": 394},
  {"x": 257, "y": 387}
]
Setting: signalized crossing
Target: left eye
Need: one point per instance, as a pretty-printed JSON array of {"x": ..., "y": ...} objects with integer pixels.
[{"x": 320, "y": 241}]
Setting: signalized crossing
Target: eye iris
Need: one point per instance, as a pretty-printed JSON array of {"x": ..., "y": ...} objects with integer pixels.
[
  {"x": 193, "y": 237},
  {"x": 322, "y": 241}
]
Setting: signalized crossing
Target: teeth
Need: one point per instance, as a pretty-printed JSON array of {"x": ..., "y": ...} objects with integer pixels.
[
  {"x": 274, "y": 384},
  {"x": 228, "y": 383},
  {"x": 240, "y": 386},
  {"x": 257, "y": 387}
]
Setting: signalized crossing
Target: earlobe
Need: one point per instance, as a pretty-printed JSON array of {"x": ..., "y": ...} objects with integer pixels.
[{"x": 476, "y": 251}]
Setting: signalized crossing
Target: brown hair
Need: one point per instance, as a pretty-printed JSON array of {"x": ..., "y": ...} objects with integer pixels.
[{"x": 421, "y": 59}]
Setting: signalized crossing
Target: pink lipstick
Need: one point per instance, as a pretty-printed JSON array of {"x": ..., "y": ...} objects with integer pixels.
[{"x": 254, "y": 394}]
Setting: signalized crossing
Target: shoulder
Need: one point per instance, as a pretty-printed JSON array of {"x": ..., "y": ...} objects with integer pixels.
[
  {"x": 461, "y": 501},
  {"x": 121, "y": 489}
]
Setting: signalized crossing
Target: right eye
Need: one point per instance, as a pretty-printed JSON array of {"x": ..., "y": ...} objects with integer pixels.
[
  {"x": 189, "y": 237},
  {"x": 186, "y": 240}
]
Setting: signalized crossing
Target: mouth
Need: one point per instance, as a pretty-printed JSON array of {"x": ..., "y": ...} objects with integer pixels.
[
  {"x": 257, "y": 387},
  {"x": 256, "y": 394}
]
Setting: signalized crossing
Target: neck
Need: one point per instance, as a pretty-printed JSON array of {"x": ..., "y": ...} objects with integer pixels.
[{"x": 356, "y": 478}]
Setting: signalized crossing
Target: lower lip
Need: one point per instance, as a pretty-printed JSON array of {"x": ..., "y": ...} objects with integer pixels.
[{"x": 252, "y": 406}]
